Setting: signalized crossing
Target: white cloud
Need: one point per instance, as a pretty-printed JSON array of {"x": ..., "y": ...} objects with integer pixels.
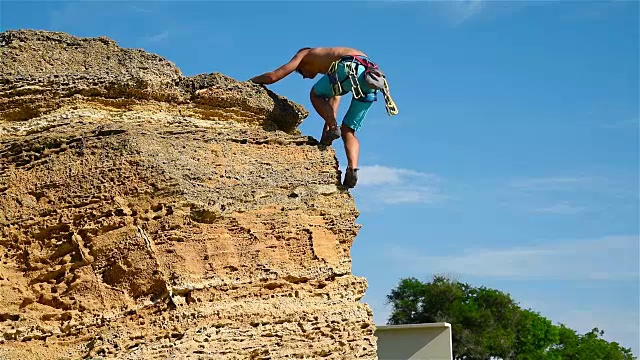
[
  {"x": 611, "y": 257},
  {"x": 555, "y": 195},
  {"x": 563, "y": 208},
  {"x": 463, "y": 10},
  {"x": 380, "y": 175},
  {"x": 571, "y": 194},
  {"x": 392, "y": 186},
  {"x": 551, "y": 183},
  {"x": 411, "y": 194},
  {"x": 623, "y": 124},
  {"x": 66, "y": 15},
  {"x": 159, "y": 37},
  {"x": 139, "y": 9},
  {"x": 587, "y": 11},
  {"x": 457, "y": 12}
]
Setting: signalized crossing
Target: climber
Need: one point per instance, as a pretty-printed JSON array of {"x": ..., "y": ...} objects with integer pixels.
[{"x": 344, "y": 70}]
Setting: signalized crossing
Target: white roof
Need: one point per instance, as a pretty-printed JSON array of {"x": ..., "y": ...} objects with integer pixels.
[{"x": 413, "y": 326}]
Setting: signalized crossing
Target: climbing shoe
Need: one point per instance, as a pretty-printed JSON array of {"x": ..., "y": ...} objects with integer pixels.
[
  {"x": 350, "y": 178},
  {"x": 329, "y": 135}
]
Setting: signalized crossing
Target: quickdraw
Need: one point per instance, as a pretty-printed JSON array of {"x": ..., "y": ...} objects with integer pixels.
[
  {"x": 389, "y": 104},
  {"x": 352, "y": 76}
]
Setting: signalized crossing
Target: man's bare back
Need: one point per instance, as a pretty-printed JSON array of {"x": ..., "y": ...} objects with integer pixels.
[
  {"x": 308, "y": 62},
  {"x": 318, "y": 60}
]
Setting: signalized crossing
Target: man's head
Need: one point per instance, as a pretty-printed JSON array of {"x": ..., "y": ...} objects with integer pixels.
[
  {"x": 300, "y": 69},
  {"x": 301, "y": 72}
]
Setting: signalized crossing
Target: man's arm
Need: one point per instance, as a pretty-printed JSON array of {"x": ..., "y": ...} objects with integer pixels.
[{"x": 284, "y": 70}]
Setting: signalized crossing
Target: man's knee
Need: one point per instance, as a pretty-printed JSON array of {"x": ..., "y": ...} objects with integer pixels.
[
  {"x": 347, "y": 131},
  {"x": 312, "y": 94}
]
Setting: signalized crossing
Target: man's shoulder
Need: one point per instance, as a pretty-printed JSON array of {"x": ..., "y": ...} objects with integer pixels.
[{"x": 328, "y": 51}]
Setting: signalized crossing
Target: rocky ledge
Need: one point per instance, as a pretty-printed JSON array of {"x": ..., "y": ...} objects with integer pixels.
[{"x": 146, "y": 215}]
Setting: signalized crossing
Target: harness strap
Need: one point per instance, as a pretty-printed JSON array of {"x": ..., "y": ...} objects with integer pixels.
[
  {"x": 336, "y": 84},
  {"x": 353, "y": 78},
  {"x": 351, "y": 66},
  {"x": 352, "y": 62},
  {"x": 363, "y": 60},
  {"x": 389, "y": 104}
]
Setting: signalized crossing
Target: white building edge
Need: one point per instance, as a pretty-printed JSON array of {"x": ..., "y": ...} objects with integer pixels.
[{"x": 427, "y": 341}]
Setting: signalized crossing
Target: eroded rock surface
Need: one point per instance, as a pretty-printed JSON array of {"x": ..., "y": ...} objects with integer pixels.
[
  {"x": 148, "y": 215},
  {"x": 42, "y": 71}
]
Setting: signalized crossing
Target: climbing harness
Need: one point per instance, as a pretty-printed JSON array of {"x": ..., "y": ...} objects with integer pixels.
[{"x": 373, "y": 77}]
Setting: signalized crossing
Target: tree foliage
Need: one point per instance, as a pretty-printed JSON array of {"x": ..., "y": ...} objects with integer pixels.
[
  {"x": 590, "y": 346},
  {"x": 488, "y": 324}
]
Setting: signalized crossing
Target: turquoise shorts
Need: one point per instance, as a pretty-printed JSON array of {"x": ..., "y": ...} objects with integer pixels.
[{"x": 359, "y": 107}]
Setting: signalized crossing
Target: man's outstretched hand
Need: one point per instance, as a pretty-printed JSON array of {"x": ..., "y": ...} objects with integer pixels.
[
  {"x": 255, "y": 83},
  {"x": 266, "y": 78}
]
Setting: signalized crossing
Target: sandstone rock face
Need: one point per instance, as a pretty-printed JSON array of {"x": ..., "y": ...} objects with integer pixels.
[{"x": 148, "y": 215}]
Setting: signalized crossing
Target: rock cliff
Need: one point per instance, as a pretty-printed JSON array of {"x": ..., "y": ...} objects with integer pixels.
[{"x": 149, "y": 215}]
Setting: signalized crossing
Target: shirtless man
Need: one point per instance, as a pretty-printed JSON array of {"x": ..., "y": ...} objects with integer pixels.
[{"x": 309, "y": 62}]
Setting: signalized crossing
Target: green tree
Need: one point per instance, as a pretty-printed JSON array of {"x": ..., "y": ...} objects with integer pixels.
[
  {"x": 487, "y": 323},
  {"x": 535, "y": 337},
  {"x": 483, "y": 320},
  {"x": 590, "y": 346}
]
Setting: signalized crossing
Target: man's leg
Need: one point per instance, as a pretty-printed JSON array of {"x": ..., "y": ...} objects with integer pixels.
[
  {"x": 326, "y": 105},
  {"x": 335, "y": 103},
  {"x": 324, "y": 109},
  {"x": 352, "y": 150},
  {"x": 351, "y": 146},
  {"x": 352, "y": 122}
]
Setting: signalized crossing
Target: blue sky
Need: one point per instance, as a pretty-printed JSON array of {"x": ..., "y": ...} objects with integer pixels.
[{"x": 513, "y": 162}]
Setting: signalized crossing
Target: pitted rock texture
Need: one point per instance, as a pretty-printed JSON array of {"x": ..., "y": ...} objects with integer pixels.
[
  {"x": 193, "y": 221},
  {"x": 41, "y": 71}
]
